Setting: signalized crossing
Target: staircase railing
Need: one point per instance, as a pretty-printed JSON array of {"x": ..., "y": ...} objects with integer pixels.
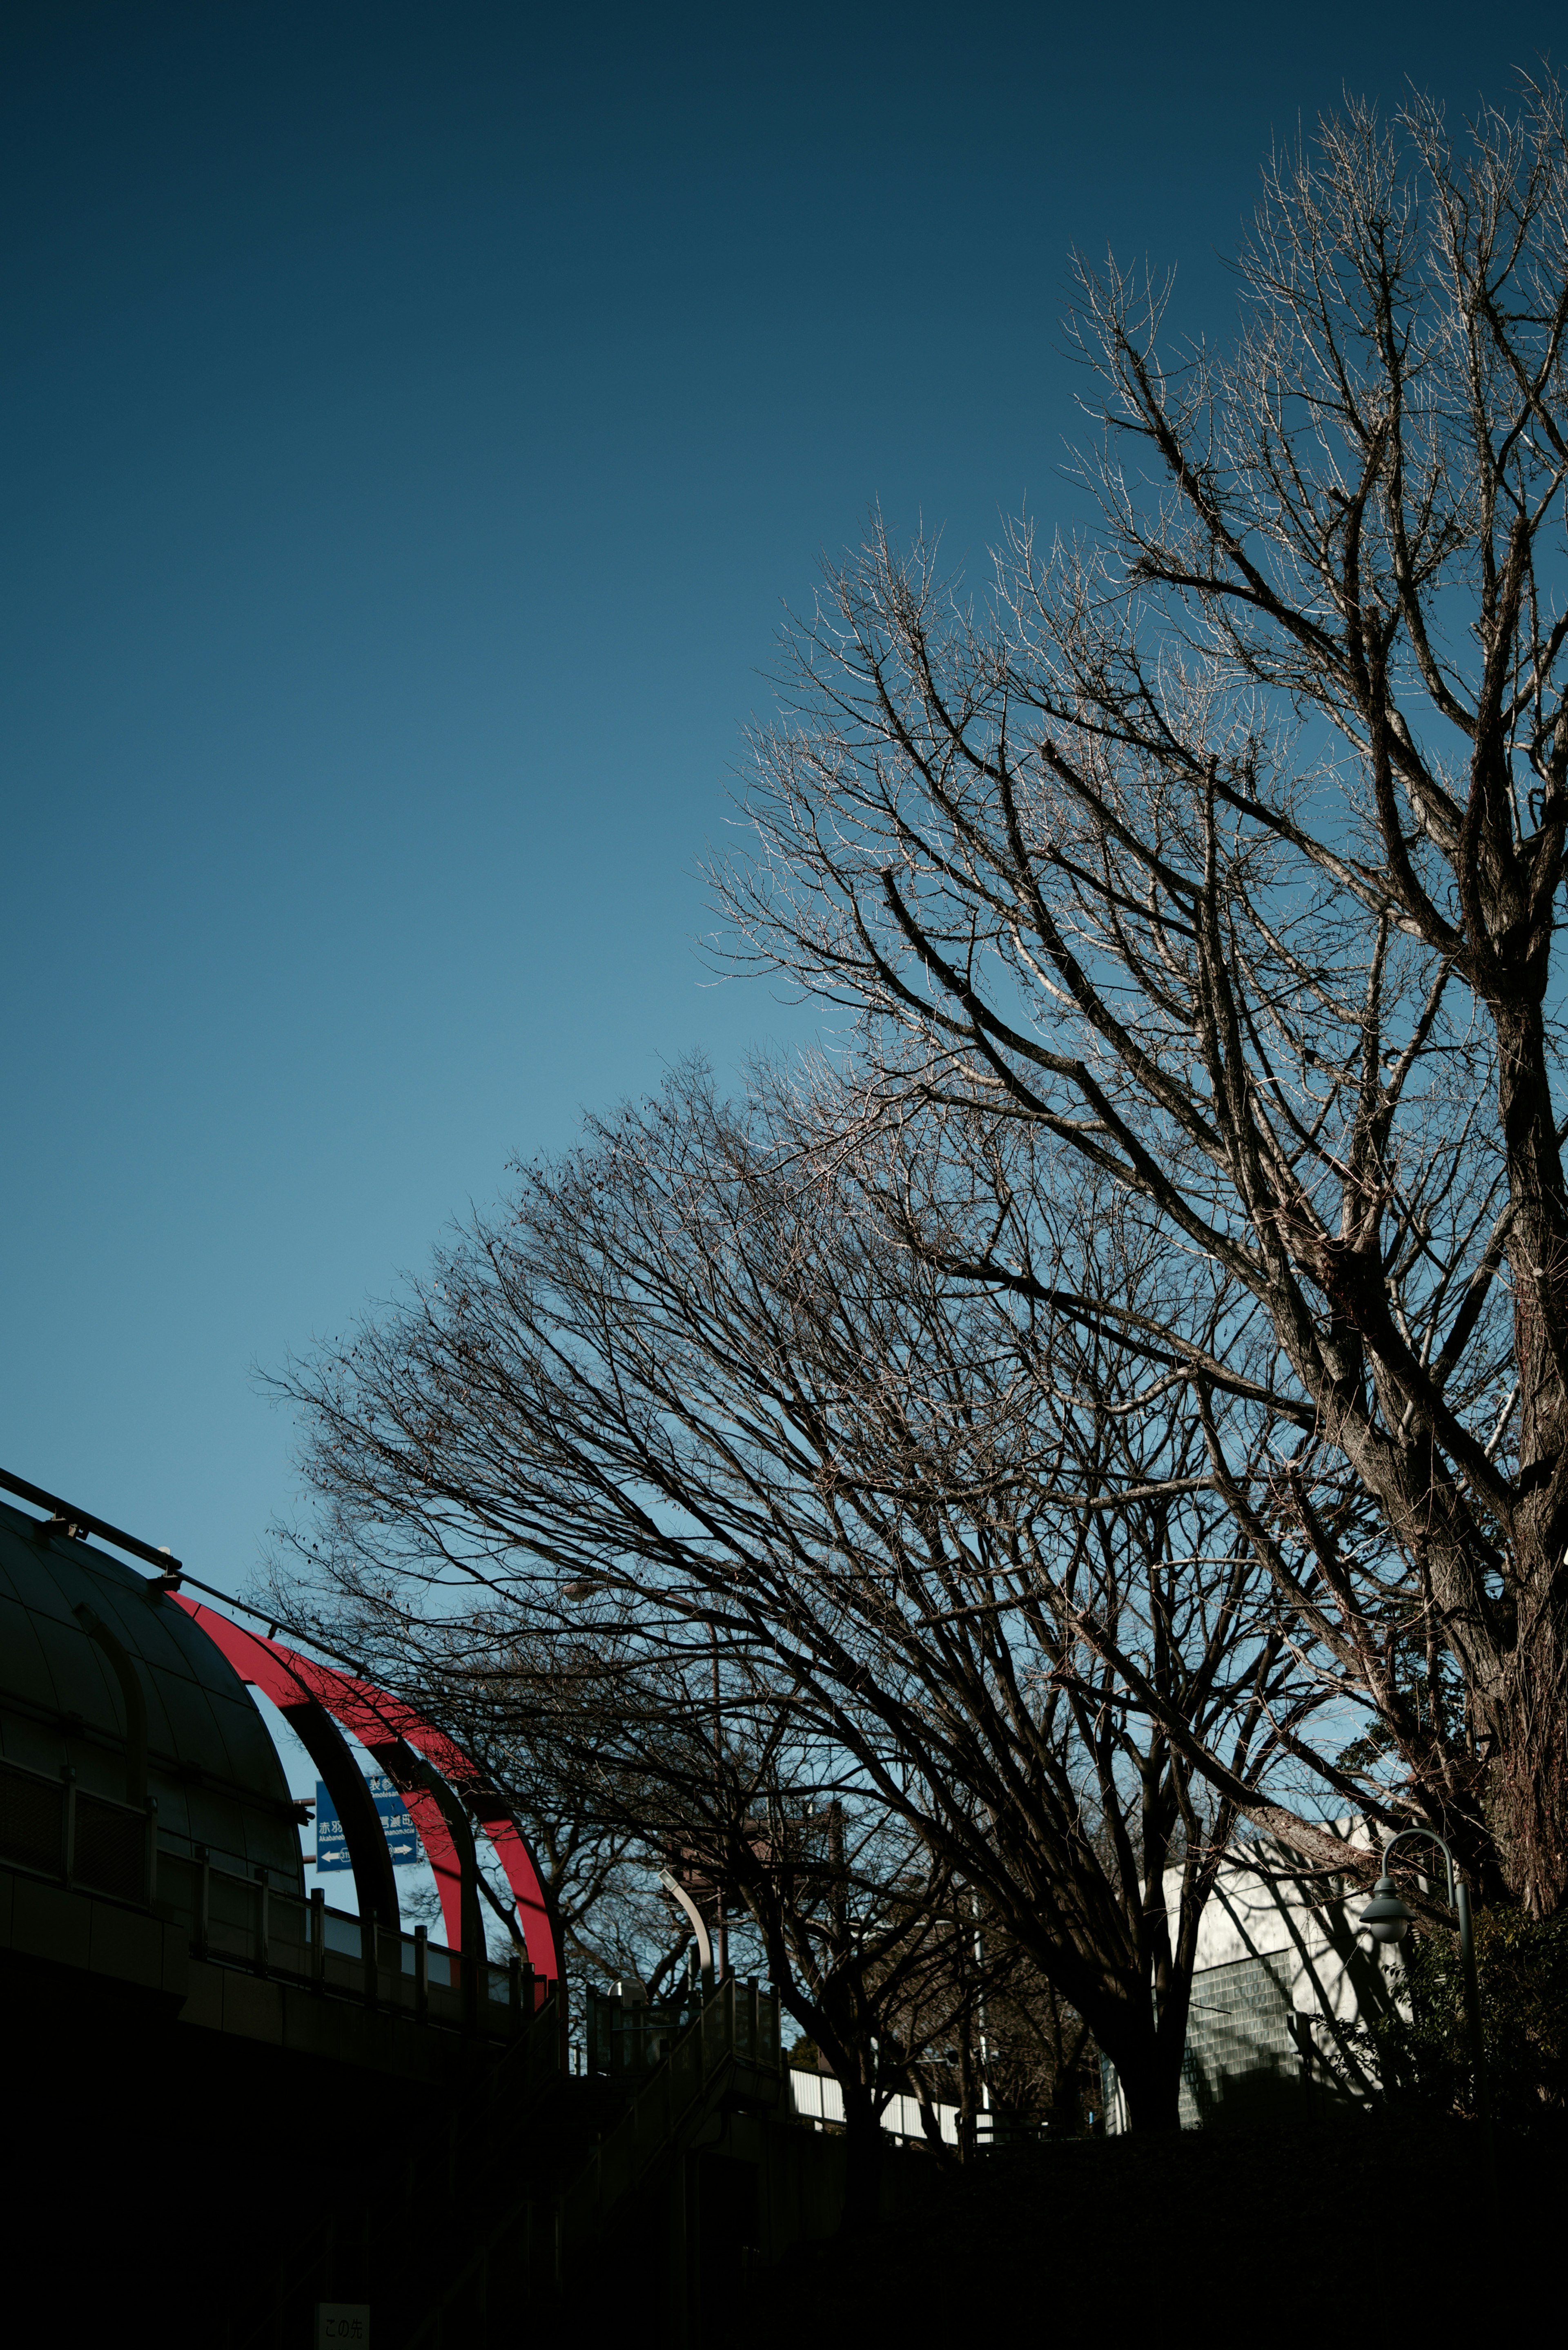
[{"x": 542, "y": 2237}]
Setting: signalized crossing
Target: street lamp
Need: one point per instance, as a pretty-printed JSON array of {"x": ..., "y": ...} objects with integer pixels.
[
  {"x": 1387, "y": 1920},
  {"x": 714, "y": 1955}
]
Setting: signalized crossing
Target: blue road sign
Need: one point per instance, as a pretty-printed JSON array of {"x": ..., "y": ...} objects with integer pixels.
[{"x": 332, "y": 1845}]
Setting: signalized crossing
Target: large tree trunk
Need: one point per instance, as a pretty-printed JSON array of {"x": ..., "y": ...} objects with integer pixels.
[
  {"x": 1147, "y": 2056},
  {"x": 1150, "y": 2080},
  {"x": 1528, "y": 1705}
]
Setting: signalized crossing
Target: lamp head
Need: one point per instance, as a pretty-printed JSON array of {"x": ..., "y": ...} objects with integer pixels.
[{"x": 1385, "y": 1917}]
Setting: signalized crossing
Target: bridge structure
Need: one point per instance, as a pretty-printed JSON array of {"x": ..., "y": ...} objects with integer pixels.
[{"x": 267, "y": 2102}]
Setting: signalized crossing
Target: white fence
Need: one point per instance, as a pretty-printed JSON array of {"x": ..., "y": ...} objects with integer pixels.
[{"x": 817, "y": 2098}]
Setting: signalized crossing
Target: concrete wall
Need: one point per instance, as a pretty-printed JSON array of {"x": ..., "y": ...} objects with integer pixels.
[{"x": 817, "y": 2098}]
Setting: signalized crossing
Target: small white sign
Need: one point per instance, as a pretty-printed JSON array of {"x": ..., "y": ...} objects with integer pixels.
[{"x": 342, "y": 2322}]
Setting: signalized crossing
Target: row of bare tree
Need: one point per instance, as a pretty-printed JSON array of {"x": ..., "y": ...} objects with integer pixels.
[
  {"x": 697, "y": 1493},
  {"x": 1123, "y": 1394}
]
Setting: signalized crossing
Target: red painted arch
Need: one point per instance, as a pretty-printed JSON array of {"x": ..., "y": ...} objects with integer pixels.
[{"x": 382, "y": 1725}]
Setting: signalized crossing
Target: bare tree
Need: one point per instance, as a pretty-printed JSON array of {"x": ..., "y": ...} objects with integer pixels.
[
  {"x": 1018, "y": 2050},
  {"x": 850, "y": 1909},
  {"x": 979, "y": 1551},
  {"x": 634, "y": 1745},
  {"x": 1225, "y": 850}
]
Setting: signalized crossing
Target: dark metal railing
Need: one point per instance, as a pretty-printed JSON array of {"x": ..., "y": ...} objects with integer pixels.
[
  {"x": 249, "y": 1921},
  {"x": 53, "y": 1828},
  {"x": 56, "y": 1830},
  {"x": 628, "y": 2038},
  {"x": 64, "y": 1517}
]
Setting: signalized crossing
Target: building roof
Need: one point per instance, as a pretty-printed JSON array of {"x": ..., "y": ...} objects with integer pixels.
[{"x": 211, "y": 1763}]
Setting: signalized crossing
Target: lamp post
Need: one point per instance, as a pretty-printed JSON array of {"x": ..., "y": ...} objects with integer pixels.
[
  {"x": 714, "y": 1954},
  {"x": 1387, "y": 1920}
]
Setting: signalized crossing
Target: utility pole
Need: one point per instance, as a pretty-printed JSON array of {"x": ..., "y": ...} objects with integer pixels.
[
  {"x": 721, "y": 1930},
  {"x": 988, "y": 2133}
]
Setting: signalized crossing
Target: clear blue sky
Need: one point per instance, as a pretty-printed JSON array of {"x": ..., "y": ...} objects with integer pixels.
[{"x": 413, "y": 418}]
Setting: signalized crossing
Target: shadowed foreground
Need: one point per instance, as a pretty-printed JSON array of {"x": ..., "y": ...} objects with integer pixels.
[{"x": 1305, "y": 2218}]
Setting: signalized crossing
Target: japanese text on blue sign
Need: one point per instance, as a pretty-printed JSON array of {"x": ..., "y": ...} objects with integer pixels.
[{"x": 332, "y": 1845}]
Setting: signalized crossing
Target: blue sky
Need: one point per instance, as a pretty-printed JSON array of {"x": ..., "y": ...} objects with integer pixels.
[{"x": 412, "y": 421}]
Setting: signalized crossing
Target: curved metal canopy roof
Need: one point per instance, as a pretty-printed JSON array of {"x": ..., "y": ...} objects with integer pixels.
[{"x": 211, "y": 1761}]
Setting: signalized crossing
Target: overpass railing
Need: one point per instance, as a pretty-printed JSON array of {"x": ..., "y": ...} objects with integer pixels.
[
  {"x": 248, "y": 1923},
  {"x": 54, "y": 1829}
]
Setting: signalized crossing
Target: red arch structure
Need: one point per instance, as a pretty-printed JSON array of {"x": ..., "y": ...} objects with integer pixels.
[{"x": 436, "y": 1769}]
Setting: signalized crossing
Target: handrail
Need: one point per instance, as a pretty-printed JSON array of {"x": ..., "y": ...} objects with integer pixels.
[
  {"x": 623, "y": 2159},
  {"x": 170, "y": 1568},
  {"x": 68, "y": 1514},
  {"x": 255, "y": 1925},
  {"x": 713, "y": 2039},
  {"x": 394, "y": 1967},
  {"x": 60, "y": 1835}
]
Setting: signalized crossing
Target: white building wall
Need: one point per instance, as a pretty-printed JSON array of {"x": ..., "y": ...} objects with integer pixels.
[
  {"x": 817, "y": 2098},
  {"x": 1282, "y": 1973}
]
